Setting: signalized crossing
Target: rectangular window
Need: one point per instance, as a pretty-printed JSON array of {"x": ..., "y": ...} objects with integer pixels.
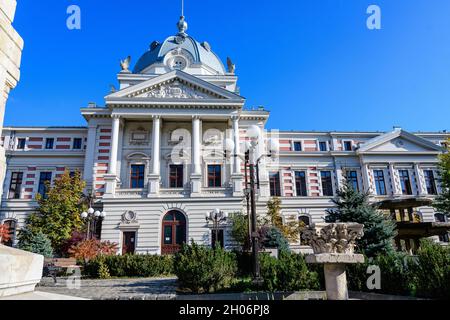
[
  {"x": 379, "y": 182},
  {"x": 137, "y": 176},
  {"x": 77, "y": 142},
  {"x": 275, "y": 188},
  {"x": 352, "y": 179},
  {"x": 327, "y": 184},
  {"x": 15, "y": 186},
  {"x": 214, "y": 176},
  {"x": 405, "y": 182},
  {"x": 44, "y": 179},
  {"x": 430, "y": 182},
  {"x": 297, "y": 146},
  {"x": 300, "y": 183},
  {"x": 176, "y": 176},
  {"x": 348, "y": 146},
  {"x": 323, "y": 146},
  {"x": 49, "y": 143},
  {"x": 21, "y": 144}
]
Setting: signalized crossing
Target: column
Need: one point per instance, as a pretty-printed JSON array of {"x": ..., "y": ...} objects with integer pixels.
[
  {"x": 111, "y": 178},
  {"x": 237, "y": 141},
  {"x": 394, "y": 185},
  {"x": 155, "y": 175},
  {"x": 196, "y": 166},
  {"x": 420, "y": 185},
  {"x": 339, "y": 176},
  {"x": 368, "y": 187},
  {"x": 88, "y": 173},
  {"x": 114, "y": 145},
  {"x": 237, "y": 176},
  {"x": 196, "y": 174}
]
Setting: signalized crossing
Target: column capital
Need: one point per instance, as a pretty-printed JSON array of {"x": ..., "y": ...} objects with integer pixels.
[
  {"x": 116, "y": 116},
  {"x": 156, "y": 117},
  {"x": 196, "y": 117},
  {"x": 235, "y": 118}
]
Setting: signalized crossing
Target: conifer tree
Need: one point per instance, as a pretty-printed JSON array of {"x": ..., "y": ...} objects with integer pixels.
[
  {"x": 379, "y": 229},
  {"x": 442, "y": 203}
]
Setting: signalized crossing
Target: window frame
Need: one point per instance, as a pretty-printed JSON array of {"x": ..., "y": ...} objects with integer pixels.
[
  {"x": 139, "y": 177},
  {"x": 353, "y": 180},
  {"x": 214, "y": 177},
  {"x": 18, "y": 146},
  {"x": 18, "y": 185},
  {"x": 296, "y": 143},
  {"x": 42, "y": 188},
  {"x": 327, "y": 186},
  {"x": 275, "y": 184},
  {"x": 47, "y": 140},
  {"x": 302, "y": 183},
  {"x": 177, "y": 177},
  {"x": 344, "y": 144},
  {"x": 321, "y": 143},
  {"x": 403, "y": 180},
  {"x": 81, "y": 143},
  {"x": 378, "y": 180},
  {"x": 431, "y": 180}
]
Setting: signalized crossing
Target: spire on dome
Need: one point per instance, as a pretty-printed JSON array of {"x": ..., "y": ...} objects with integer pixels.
[{"x": 182, "y": 24}]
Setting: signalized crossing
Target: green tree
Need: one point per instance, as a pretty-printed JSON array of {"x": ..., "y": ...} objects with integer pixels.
[
  {"x": 379, "y": 229},
  {"x": 37, "y": 243},
  {"x": 442, "y": 203},
  {"x": 240, "y": 229},
  {"x": 290, "y": 229},
  {"x": 59, "y": 212}
]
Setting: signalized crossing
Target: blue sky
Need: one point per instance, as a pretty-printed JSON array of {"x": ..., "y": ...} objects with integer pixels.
[{"x": 313, "y": 63}]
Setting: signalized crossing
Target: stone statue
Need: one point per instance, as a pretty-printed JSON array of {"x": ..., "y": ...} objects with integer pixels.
[
  {"x": 231, "y": 66},
  {"x": 113, "y": 88},
  {"x": 125, "y": 64}
]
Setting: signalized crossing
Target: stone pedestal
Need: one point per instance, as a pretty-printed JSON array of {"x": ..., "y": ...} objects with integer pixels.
[
  {"x": 20, "y": 271},
  {"x": 111, "y": 181},
  {"x": 333, "y": 245},
  {"x": 196, "y": 185},
  {"x": 154, "y": 183}
]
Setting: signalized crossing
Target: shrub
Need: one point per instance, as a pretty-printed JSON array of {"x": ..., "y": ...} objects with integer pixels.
[
  {"x": 90, "y": 249},
  {"x": 273, "y": 238},
  {"x": 37, "y": 243},
  {"x": 287, "y": 273},
  {"x": 431, "y": 272},
  {"x": 130, "y": 266},
  {"x": 200, "y": 269}
]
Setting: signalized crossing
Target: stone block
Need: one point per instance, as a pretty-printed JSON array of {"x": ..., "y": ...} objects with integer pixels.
[{"x": 20, "y": 271}]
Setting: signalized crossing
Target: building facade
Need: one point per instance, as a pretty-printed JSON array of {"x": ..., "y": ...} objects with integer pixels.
[{"x": 167, "y": 148}]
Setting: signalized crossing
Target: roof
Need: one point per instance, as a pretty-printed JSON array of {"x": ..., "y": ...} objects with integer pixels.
[{"x": 200, "y": 53}]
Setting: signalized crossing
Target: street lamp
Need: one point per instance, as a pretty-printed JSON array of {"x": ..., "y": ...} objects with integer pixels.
[
  {"x": 216, "y": 217},
  {"x": 91, "y": 216},
  {"x": 252, "y": 170}
]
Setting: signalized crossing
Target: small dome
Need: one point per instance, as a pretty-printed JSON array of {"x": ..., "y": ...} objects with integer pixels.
[{"x": 199, "y": 53}]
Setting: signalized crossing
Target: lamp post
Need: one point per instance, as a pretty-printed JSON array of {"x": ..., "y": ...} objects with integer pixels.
[
  {"x": 216, "y": 217},
  {"x": 251, "y": 173},
  {"x": 91, "y": 216}
]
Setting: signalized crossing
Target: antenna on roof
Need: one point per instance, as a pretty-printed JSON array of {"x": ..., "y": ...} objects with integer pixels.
[{"x": 182, "y": 8}]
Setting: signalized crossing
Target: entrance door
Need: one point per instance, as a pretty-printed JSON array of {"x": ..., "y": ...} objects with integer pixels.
[
  {"x": 129, "y": 243},
  {"x": 173, "y": 232}
]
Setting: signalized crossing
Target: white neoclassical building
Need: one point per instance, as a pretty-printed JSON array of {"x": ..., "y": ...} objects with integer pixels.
[{"x": 165, "y": 149}]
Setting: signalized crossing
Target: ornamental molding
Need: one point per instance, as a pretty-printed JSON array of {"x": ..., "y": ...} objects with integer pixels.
[
  {"x": 176, "y": 90},
  {"x": 337, "y": 238},
  {"x": 129, "y": 217}
]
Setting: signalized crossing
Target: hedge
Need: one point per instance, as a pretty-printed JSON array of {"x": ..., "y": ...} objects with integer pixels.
[{"x": 130, "y": 266}]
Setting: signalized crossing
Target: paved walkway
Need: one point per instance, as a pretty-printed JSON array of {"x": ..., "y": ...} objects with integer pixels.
[{"x": 113, "y": 289}]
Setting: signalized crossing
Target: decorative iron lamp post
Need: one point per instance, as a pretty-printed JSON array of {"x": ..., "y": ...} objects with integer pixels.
[
  {"x": 251, "y": 184},
  {"x": 91, "y": 216},
  {"x": 217, "y": 217}
]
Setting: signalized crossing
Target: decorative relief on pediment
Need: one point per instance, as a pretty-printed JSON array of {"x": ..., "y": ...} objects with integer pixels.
[
  {"x": 129, "y": 217},
  {"x": 176, "y": 90}
]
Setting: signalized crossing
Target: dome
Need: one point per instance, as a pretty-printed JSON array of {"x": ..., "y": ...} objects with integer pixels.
[{"x": 183, "y": 45}]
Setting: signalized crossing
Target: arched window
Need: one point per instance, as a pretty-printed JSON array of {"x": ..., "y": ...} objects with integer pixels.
[
  {"x": 10, "y": 230},
  {"x": 305, "y": 221},
  {"x": 173, "y": 232}
]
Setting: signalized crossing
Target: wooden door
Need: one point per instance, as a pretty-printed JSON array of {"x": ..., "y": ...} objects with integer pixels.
[{"x": 129, "y": 243}]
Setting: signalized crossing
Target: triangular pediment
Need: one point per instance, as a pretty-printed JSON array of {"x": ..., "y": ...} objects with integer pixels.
[
  {"x": 175, "y": 85},
  {"x": 398, "y": 141}
]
